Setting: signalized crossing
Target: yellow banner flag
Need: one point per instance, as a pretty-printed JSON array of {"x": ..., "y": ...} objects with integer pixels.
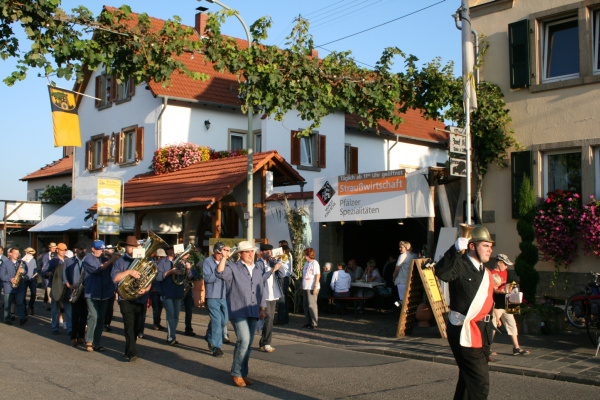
[{"x": 64, "y": 117}]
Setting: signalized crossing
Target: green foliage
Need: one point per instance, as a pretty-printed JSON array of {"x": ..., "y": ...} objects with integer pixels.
[
  {"x": 125, "y": 43},
  {"x": 56, "y": 194},
  {"x": 279, "y": 80},
  {"x": 297, "y": 230},
  {"x": 526, "y": 261}
]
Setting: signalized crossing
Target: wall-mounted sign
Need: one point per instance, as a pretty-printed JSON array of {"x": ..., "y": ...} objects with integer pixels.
[
  {"x": 458, "y": 143},
  {"x": 458, "y": 167},
  {"x": 109, "y": 206},
  {"x": 108, "y": 225},
  {"x": 367, "y": 196}
]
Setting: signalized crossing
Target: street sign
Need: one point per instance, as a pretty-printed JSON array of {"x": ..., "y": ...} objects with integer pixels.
[
  {"x": 456, "y": 129},
  {"x": 458, "y": 143},
  {"x": 458, "y": 167}
]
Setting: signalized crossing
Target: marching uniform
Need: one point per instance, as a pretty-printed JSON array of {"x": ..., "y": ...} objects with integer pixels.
[
  {"x": 71, "y": 274},
  {"x": 99, "y": 287},
  {"x": 8, "y": 270},
  {"x": 172, "y": 295},
  {"x": 216, "y": 304},
  {"x": 131, "y": 310},
  {"x": 470, "y": 325},
  {"x": 30, "y": 283},
  {"x": 55, "y": 301}
]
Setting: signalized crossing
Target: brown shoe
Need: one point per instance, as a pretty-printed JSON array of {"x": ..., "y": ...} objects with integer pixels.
[
  {"x": 239, "y": 381},
  {"x": 248, "y": 381},
  {"x": 74, "y": 343},
  {"x": 80, "y": 341}
]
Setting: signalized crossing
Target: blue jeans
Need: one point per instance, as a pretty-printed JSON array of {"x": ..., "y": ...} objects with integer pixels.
[
  {"x": 172, "y": 308},
  {"x": 244, "y": 332},
  {"x": 283, "y": 314},
  {"x": 17, "y": 298},
  {"x": 217, "y": 327},
  {"x": 95, "y": 322},
  {"x": 55, "y": 313}
]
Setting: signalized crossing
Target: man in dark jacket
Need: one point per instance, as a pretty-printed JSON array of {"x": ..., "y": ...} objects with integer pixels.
[{"x": 470, "y": 325}]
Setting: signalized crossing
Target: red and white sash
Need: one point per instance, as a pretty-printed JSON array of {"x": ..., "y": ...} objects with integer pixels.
[{"x": 470, "y": 335}]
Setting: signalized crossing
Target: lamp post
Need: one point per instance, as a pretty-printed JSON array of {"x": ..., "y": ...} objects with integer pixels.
[{"x": 249, "y": 142}]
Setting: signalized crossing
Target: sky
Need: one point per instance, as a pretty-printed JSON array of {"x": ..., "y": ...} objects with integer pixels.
[{"x": 423, "y": 28}]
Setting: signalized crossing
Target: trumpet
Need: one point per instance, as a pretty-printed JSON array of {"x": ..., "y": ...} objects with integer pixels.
[{"x": 234, "y": 256}]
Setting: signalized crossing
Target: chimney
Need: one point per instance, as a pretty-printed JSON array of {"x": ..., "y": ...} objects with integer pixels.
[{"x": 200, "y": 23}]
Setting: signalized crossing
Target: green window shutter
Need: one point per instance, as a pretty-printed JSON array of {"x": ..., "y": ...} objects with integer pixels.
[
  {"x": 518, "y": 45},
  {"x": 521, "y": 163}
]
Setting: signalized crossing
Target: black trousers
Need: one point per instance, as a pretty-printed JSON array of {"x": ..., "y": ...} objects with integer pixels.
[
  {"x": 267, "y": 330},
  {"x": 473, "y": 377},
  {"x": 131, "y": 312},
  {"x": 188, "y": 307},
  {"x": 80, "y": 315}
]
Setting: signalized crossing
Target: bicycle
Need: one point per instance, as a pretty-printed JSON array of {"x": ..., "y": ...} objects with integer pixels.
[{"x": 583, "y": 310}]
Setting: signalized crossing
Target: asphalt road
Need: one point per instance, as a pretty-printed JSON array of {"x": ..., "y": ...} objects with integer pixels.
[{"x": 38, "y": 365}]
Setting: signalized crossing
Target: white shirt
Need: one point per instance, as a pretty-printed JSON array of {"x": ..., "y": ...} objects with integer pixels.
[
  {"x": 308, "y": 274},
  {"x": 273, "y": 292},
  {"x": 340, "y": 281},
  {"x": 250, "y": 267}
]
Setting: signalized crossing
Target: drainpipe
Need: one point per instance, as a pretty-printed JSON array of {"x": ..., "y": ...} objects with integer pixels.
[
  {"x": 158, "y": 121},
  {"x": 389, "y": 151}
]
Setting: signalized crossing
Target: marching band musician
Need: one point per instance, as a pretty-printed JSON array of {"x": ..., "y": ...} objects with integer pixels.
[
  {"x": 46, "y": 258},
  {"x": 172, "y": 294},
  {"x": 99, "y": 287},
  {"x": 273, "y": 292},
  {"x": 131, "y": 310},
  {"x": 71, "y": 274},
  {"x": 49, "y": 273},
  {"x": 245, "y": 303},
  {"x": 188, "y": 302},
  {"x": 215, "y": 301},
  {"x": 8, "y": 272},
  {"x": 30, "y": 283}
]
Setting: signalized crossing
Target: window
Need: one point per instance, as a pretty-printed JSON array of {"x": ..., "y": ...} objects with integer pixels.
[
  {"x": 37, "y": 193},
  {"x": 237, "y": 141},
  {"x": 97, "y": 152},
  {"x": 596, "y": 41},
  {"x": 560, "y": 50},
  {"x": 350, "y": 159},
  {"x": 108, "y": 91},
  {"x": 257, "y": 142},
  {"x": 562, "y": 170},
  {"x": 308, "y": 152},
  {"x": 129, "y": 145},
  {"x": 104, "y": 90}
]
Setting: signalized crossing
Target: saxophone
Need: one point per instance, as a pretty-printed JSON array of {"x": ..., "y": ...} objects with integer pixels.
[
  {"x": 129, "y": 287},
  {"x": 179, "y": 263},
  {"x": 18, "y": 276}
]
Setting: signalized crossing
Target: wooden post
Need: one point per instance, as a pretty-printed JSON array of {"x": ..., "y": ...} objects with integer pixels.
[
  {"x": 217, "y": 220},
  {"x": 139, "y": 218},
  {"x": 263, "y": 200}
]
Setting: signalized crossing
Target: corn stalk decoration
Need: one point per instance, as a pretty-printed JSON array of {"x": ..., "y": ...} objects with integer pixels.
[{"x": 297, "y": 228}]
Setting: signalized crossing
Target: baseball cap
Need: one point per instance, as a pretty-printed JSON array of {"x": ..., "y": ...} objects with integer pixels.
[
  {"x": 98, "y": 245},
  {"x": 504, "y": 258}
]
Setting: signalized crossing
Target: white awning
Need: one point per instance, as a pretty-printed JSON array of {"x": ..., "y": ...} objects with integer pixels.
[{"x": 69, "y": 217}]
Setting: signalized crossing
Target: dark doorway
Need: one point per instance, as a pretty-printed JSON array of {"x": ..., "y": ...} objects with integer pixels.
[{"x": 379, "y": 239}]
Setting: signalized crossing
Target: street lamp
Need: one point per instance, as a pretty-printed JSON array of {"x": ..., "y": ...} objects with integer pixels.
[{"x": 249, "y": 142}]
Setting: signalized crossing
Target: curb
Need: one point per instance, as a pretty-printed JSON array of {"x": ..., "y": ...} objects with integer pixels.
[{"x": 496, "y": 367}]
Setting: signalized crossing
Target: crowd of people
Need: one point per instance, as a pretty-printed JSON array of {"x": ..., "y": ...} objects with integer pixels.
[{"x": 247, "y": 288}]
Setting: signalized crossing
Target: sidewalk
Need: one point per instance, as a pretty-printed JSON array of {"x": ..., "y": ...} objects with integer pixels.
[{"x": 567, "y": 356}]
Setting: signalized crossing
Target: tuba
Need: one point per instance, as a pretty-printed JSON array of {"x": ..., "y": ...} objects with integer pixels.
[
  {"x": 465, "y": 232},
  {"x": 179, "y": 263},
  {"x": 129, "y": 287}
]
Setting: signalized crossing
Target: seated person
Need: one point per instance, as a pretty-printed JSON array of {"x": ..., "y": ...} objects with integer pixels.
[
  {"x": 372, "y": 275},
  {"x": 340, "y": 285}
]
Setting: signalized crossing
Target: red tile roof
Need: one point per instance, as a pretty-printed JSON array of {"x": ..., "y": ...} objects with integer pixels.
[
  {"x": 222, "y": 88},
  {"x": 414, "y": 126},
  {"x": 64, "y": 166},
  {"x": 204, "y": 183}
]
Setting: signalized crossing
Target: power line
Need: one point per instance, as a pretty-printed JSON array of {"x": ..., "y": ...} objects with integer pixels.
[
  {"x": 385, "y": 23},
  {"x": 335, "y": 17}
]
